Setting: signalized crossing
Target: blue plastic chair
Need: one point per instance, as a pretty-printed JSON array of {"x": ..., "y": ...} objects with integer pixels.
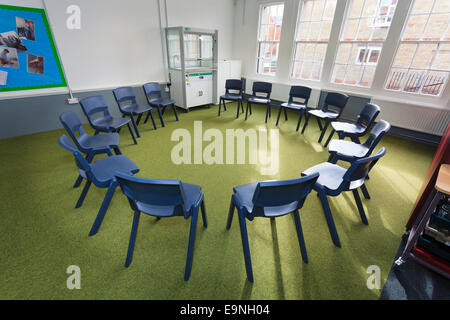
[
  {"x": 96, "y": 111},
  {"x": 126, "y": 100},
  {"x": 232, "y": 85},
  {"x": 89, "y": 145},
  {"x": 264, "y": 88},
  {"x": 351, "y": 151},
  {"x": 154, "y": 97},
  {"x": 333, "y": 100},
  {"x": 163, "y": 199},
  {"x": 101, "y": 173},
  {"x": 333, "y": 180},
  {"x": 270, "y": 199},
  {"x": 296, "y": 92},
  {"x": 355, "y": 130}
]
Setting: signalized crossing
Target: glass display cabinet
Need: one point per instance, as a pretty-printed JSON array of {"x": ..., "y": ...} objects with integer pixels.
[{"x": 192, "y": 60}]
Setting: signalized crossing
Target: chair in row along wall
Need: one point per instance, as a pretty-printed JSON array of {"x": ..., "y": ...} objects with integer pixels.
[{"x": 96, "y": 109}]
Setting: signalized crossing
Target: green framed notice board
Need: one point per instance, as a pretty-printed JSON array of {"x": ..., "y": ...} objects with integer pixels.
[{"x": 28, "y": 56}]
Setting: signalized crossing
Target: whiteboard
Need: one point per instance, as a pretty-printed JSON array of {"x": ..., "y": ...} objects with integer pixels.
[{"x": 119, "y": 43}]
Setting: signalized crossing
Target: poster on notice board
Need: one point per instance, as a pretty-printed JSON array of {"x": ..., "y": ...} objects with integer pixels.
[{"x": 28, "y": 56}]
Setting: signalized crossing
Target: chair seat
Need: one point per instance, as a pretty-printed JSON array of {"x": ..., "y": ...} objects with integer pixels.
[
  {"x": 259, "y": 100},
  {"x": 109, "y": 123},
  {"x": 348, "y": 148},
  {"x": 350, "y": 128},
  {"x": 331, "y": 175},
  {"x": 99, "y": 141},
  {"x": 161, "y": 102},
  {"x": 135, "y": 109},
  {"x": 293, "y": 105},
  {"x": 192, "y": 195},
  {"x": 104, "y": 169},
  {"x": 231, "y": 96},
  {"x": 324, "y": 114}
]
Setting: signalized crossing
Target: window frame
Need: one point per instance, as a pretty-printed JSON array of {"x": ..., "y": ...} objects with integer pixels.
[
  {"x": 258, "y": 41},
  {"x": 367, "y": 43},
  {"x": 417, "y": 43},
  {"x": 316, "y": 42}
]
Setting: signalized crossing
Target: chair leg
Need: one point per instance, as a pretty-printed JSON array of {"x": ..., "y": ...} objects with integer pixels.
[
  {"x": 205, "y": 220},
  {"x": 319, "y": 123},
  {"x": 78, "y": 182},
  {"x": 360, "y": 206},
  {"x": 365, "y": 191},
  {"x": 190, "y": 253},
  {"x": 224, "y": 106},
  {"x": 267, "y": 112},
  {"x": 220, "y": 107},
  {"x": 329, "y": 138},
  {"x": 329, "y": 217},
  {"x": 306, "y": 121},
  {"x": 279, "y": 114},
  {"x": 133, "y": 234},
  {"x": 238, "y": 108},
  {"x": 150, "y": 113},
  {"x": 105, "y": 205},
  {"x": 242, "y": 106},
  {"x": 325, "y": 127},
  {"x": 160, "y": 116},
  {"x": 117, "y": 151},
  {"x": 83, "y": 193},
  {"x": 133, "y": 121},
  {"x": 299, "y": 119},
  {"x": 301, "y": 240},
  {"x": 174, "y": 108},
  {"x": 131, "y": 132},
  {"x": 246, "y": 112},
  {"x": 230, "y": 213},
  {"x": 139, "y": 119},
  {"x": 245, "y": 246}
]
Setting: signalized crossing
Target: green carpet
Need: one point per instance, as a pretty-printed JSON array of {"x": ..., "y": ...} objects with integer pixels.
[{"x": 41, "y": 233}]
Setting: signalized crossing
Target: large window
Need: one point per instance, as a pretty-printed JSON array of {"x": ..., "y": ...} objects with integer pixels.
[
  {"x": 422, "y": 62},
  {"x": 311, "y": 40},
  {"x": 270, "y": 22},
  {"x": 365, "y": 29}
]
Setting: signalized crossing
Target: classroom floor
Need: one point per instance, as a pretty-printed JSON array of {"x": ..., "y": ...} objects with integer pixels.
[{"x": 41, "y": 232}]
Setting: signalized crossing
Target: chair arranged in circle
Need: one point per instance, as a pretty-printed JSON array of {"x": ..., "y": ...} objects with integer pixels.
[
  {"x": 331, "y": 110},
  {"x": 96, "y": 111},
  {"x": 87, "y": 144},
  {"x": 355, "y": 130},
  {"x": 299, "y": 92},
  {"x": 350, "y": 151},
  {"x": 163, "y": 199},
  {"x": 235, "y": 85},
  {"x": 155, "y": 99},
  {"x": 126, "y": 100},
  {"x": 334, "y": 179},
  {"x": 270, "y": 200},
  {"x": 101, "y": 174},
  {"x": 264, "y": 88}
]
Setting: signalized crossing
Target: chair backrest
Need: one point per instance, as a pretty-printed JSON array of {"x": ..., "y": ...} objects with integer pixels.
[
  {"x": 300, "y": 92},
  {"x": 152, "y": 89},
  {"x": 262, "y": 87},
  {"x": 124, "y": 94},
  {"x": 94, "y": 105},
  {"x": 81, "y": 162},
  {"x": 234, "y": 84},
  {"x": 368, "y": 115},
  {"x": 337, "y": 101},
  {"x": 73, "y": 126},
  {"x": 281, "y": 197},
  {"x": 377, "y": 132},
  {"x": 358, "y": 171},
  {"x": 164, "y": 196}
]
